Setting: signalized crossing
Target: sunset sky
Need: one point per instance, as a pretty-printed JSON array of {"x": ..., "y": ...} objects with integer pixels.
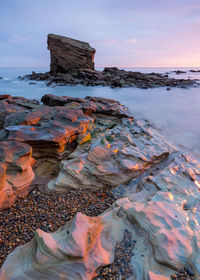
[{"x": 126, "y": 33}]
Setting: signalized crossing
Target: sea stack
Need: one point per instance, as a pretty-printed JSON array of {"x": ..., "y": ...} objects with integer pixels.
[{"x": 68, "y": 54}]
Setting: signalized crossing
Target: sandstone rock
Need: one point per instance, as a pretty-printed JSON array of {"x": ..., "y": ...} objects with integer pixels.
[
  {"x": 49, "y": 130},
  {"x": 81, "y": 246},
  {"x": 121, "y": 154},
  {"x": 16, "y": 174},
  {"x": 68, "y": 54},
  {"x": 166, "y": 240},
  {"x": 161, "y": 187},
  {"x": 4, "y": 96},
  {"x": 89, "y": 105}
]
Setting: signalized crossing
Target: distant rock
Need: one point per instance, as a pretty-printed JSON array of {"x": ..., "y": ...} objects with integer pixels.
[
  {"x": 72, "y": 63},
  {"x": 110, "y": 76},
  {"x": 179, "y": 72},
  {"x": 195, "y": 71},
  {"x": 68, "y": 54}
]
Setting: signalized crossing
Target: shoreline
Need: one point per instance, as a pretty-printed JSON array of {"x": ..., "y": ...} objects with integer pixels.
[
  {"x": 80, "y": 150},
  {"x": 111, "y": 77}
]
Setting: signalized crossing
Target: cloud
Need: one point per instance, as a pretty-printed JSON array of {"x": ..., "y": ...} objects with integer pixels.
[
  {"x": 20, "y": 39},
  {"x": 131, "y": 41}
]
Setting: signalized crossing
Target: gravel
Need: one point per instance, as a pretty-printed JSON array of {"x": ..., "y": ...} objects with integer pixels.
[
  {"x": 51, "y": 211},
  {"x": 186, "y": 274},
  {"x": 47, "y": 212},
  {"x": 121, "y": 268}
]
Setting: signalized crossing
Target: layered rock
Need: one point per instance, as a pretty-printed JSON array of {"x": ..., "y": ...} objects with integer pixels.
[
  {"x": 160, "y": 207},
  {"x": 166, "y": 234},
  {"x": 81, "y": 246},
  {"x": 72, "y": 63},
  {"x": 16, "y": 172},
  {"x": 68, "y": 54},
  {"x": 115, "y": 157},
  {"x": 53, "y": 132}
]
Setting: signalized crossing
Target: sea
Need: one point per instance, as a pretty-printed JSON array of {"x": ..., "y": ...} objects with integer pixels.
[{"x": 175, "y": 113}]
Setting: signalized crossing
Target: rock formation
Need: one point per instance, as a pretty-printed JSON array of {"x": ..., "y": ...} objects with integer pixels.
[
  {"x": 166, "y": 233},
  {"x": 68, "y": 54},
  {"x": 16, "y": 172},
  {"x": 72, "y": 63},
  {"x": 95, "y": 143},
  {"x": 52, "y": 131},
  {"x": 110, "y": 76}
]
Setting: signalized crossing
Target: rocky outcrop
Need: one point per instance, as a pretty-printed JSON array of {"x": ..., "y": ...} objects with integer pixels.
[
  {"x": 68, "y": 54},
  {"x": 112, "y": 77},
  {"x": 52, "y": 130},
  {"x": 158, "y": 189},
  {"x": 164, "y": 223},
  {"x": 121, "y": 153},
  {"x": 72, "y": 63},
  {"x": 16, "y": 172}
]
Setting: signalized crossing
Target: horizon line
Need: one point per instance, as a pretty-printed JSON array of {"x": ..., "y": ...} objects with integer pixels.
[{"x": 118, "y": 66}]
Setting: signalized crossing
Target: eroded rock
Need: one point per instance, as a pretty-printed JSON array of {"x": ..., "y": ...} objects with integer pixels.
[
  {"x": 161, "y": 204},
  {"x": 119, "y": 155},
  {"x": 72, "y": 63},
  {"x": 68, "y": 54},
  {"x": 16, "y": 174},
  {"x": 166, "y": 240}
]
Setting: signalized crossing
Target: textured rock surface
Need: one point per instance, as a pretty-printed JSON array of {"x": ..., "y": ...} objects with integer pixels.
[
  {"x": 16, "y": 172},
  {"x": 52, "y": 130},
  {"x": 112, "y": 77},
  {"x": 161, "y": 188},
  {"x": 166, "y": 239},
  {"x": 68, "y": 54},
  {"x": 119, "y": 155}
]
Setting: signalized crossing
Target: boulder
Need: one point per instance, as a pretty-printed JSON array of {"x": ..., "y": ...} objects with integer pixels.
[{"x": 68, "y": 54}]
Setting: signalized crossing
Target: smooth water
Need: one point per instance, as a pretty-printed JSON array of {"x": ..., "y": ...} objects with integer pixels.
[{"x": 176, "y": 112}]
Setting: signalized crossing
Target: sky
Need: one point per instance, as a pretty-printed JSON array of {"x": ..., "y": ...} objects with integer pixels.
[{"x": 125, "y": 33}]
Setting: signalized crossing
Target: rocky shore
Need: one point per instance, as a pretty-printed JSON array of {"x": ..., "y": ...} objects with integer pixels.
[
  {"x": 110, "y": 76},
  {"x": 72, "y": 63},
  {"x": 89, "y": 192}
]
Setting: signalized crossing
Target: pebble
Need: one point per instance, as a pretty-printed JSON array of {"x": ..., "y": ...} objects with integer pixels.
[
  {"x": 47, "y": 212},
  {"x": 121, "y": 268},
  {"x": 186, "y": 274}
]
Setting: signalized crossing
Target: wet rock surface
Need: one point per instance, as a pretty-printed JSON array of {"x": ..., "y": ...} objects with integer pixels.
[
  {"x": 112, "y": 77},
  {"x": 150, "y": 232}
]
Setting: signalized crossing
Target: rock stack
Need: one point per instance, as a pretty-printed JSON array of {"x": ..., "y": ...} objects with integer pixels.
[{"x": 68, "y": 54}]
